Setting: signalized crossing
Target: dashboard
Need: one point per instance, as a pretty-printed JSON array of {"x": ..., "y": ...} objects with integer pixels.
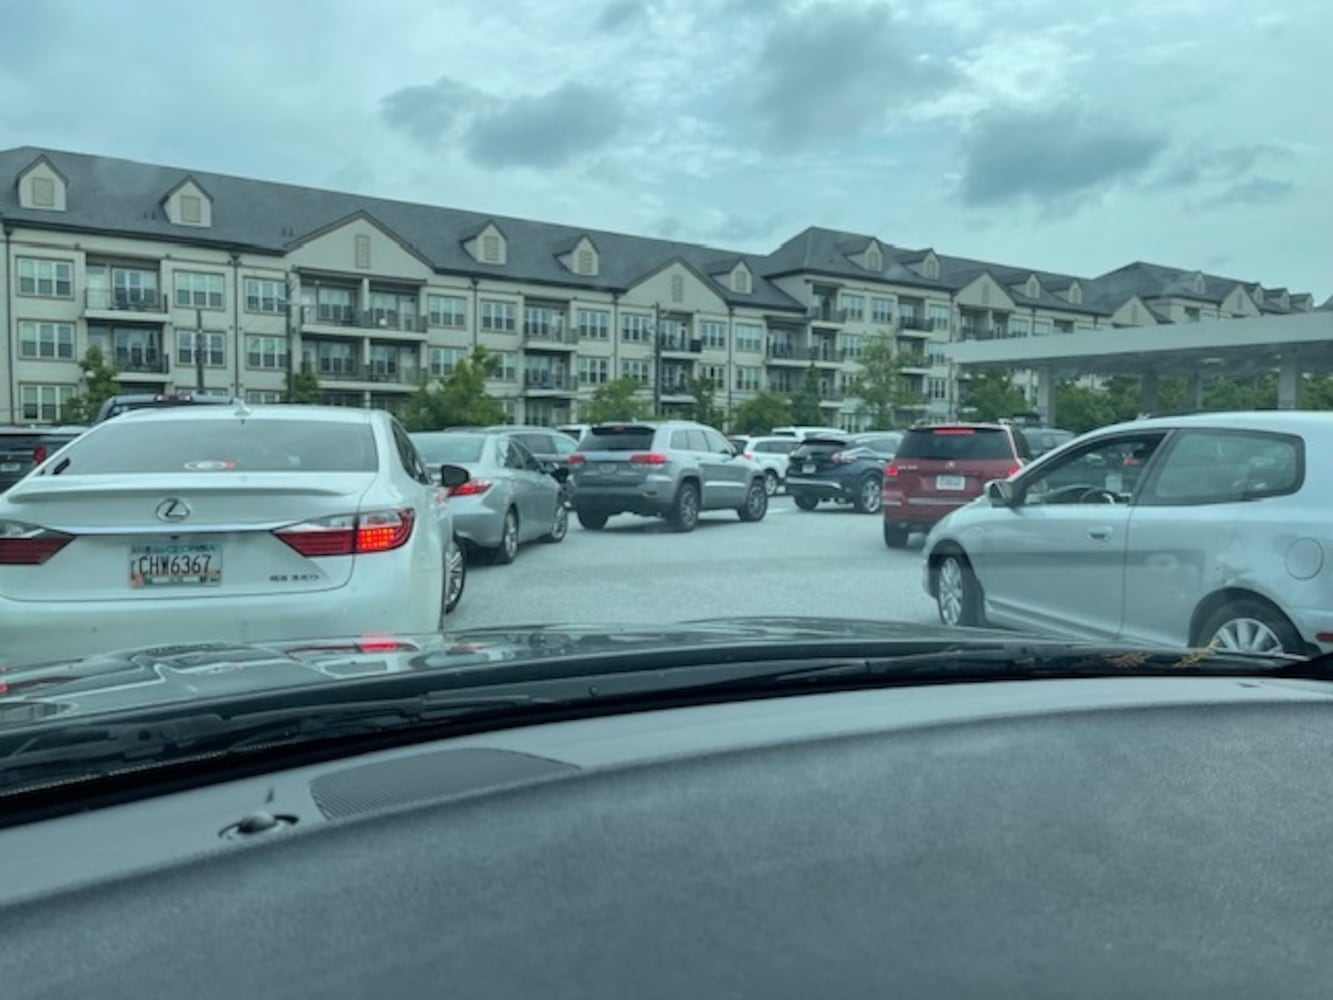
[{"x": 1101, "y": 838}]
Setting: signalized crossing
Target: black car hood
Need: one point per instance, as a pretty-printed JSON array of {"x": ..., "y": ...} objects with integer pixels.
[{"x": 155, "y": 675}]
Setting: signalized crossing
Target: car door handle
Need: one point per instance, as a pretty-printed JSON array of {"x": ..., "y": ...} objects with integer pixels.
[{"x": 1099, "y": 534}]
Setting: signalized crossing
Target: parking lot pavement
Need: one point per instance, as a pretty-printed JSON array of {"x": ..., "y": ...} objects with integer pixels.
[{"x": 829, "y": 561}]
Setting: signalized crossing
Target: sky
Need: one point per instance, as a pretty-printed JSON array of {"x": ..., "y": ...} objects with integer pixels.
[{"x": 1062, "y": 135}]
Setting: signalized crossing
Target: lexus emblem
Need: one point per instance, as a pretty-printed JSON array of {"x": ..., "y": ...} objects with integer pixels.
[{"x": 174, "y": 509}]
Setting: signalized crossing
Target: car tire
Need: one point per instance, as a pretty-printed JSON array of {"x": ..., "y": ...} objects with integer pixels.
[
  {"x": 684, "y": 512},
  {"x": 869, "y": 495},
  {"x": 896, "y": 535},
  {"x": 756, "y": 502},
  {"x": 455, "y": 577},
  {"x": 591, "y": 520},
  {"x": 957, "y": 593},
  {"x": 771, "y": 482},
  {"x": 560, "y": 526},
  {"x": 507, "y": 550},
  {"x": 1249, "y": 625},
  {"x": 806, "y": 503}
]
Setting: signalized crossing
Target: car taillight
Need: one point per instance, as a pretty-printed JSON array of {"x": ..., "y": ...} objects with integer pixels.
[
  {"x": 648, "y": 458},
  {"x": 28, "y": 544},
  {"x": 842, "y": 457},
  {"x": 747, "y": 456},
  {"x": 472, "y": 488},
  {"x": 1013, "y": 472},
  {"x": 39, "y": 454},
  {"x": 350, "y": 534},
  {"x": 891, "y": 471},
  {"x": 577, "y": 459}
]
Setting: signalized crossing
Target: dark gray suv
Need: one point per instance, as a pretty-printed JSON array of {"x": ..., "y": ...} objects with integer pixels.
[{"x": 673, "y": 469}]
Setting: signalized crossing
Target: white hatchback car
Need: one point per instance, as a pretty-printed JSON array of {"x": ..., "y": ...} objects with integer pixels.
[
  {"x": 1182, "y": 531},
  {"x": 229, "y": 523}
]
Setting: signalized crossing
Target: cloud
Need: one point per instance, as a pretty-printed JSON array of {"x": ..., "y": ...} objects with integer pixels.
[
  {"x": 545, "y": 130},
  {"x": 1050, "y": 155},
  {"x": 1255, "y": 191},
  {"x": 832, "y": 71},
  {"x": 1203, "y": 163},
  {"x": 620, "y": 14}
]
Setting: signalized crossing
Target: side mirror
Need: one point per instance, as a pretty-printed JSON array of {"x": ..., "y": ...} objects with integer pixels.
[
  {"x": 1000, "y": 492},
  {"x": 559, "y": 473},
  {"x": 453, "y": 476}
]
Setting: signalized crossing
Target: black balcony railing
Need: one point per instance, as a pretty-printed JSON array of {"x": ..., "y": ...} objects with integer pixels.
[
  {"x": 915, "y": 321},
  {"x": 542, "y": 380},
  {"x": 681, "y": 343},
  {"x": 334, "y": 369},
  {"x": 140, "y": 362},
  {"x": 144, "y": 300},
  {"x": 826, "y": 312},
  {"x": 364, "y": 319},
  {"x": 805, "y": 352},
  {"x": 551, "y": 331}
]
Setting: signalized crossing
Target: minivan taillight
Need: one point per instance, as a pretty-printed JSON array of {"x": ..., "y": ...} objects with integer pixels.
[
  {"x": 842, "y": 457},
  {"x": 577, "y": 459},
  {"x": 39, "y": 454},
  {"x": 648, "y": 458},
  {"x": 350, "y": 534},
  {"x": 891, "y": 471},
  {"x": 29, "y": 544}
]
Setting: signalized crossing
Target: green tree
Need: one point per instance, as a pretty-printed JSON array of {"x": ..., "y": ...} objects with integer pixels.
[
  {"x": 991, "y": 395},
  {"x": 705, "y": 409},
  {"x": 458, "y": 399},
  {"x": 761, "y": 413},
  {"x": 617, "y": 400},
  {"x": 1241, "y": 394},
  {"x": 1080, "y": 409},
  {"x": 880, "y": 384},
  {"x": 1317, "y": 393},
  {"x": 302, "y": 387},
  {"x": 805, "y": 409},
  {"x": 99, "y": 385}
]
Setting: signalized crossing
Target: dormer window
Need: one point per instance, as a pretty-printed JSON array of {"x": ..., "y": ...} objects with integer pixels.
[
  {"x": 187, "y": 204},
  {"x": 930, "y": 267},
  {"x": 490, "y": 248},
  {"x": 192, "y": 209},
  {"x": 1033, "y": 288},
  {"x": 42, "y": 186},
  {"x": 741, "y": 282},
  {"x": 1197, "y": 283},
  {"x": 874, "y": 260},
  {"x": 1076, "y": 293},
  {"x": 585, "y": 262},
  {"x": 44, "y": 192}
]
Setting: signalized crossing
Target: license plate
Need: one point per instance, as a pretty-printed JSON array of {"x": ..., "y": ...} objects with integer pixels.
[
  {"x": 808, "y": 468},
  {"x": 10, "y": 466},
  {"x": 950, "y": 482},
  {"x": 175, "y": 565}
]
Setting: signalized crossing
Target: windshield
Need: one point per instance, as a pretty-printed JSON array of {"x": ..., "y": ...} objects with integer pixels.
[{"x": 1020, "y": 315}]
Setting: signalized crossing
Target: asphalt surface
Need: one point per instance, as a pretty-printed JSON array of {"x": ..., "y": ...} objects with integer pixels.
[{"x": 827, "y": 562}]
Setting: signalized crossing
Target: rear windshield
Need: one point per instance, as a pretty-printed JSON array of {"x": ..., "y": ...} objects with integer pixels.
[
  {"x": 11, "y": 443},
  {"x": 617, "y": 439},
  {"x": 819, "y": 446},
  {"x": 956, "y": 443},
  {"x": 222, "y": 446},
  {"x": 116, "y": 409},
  {"x": 449, "y": 449}
]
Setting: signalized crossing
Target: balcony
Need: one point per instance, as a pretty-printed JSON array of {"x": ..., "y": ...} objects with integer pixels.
[
  {"x": 803, "y": 354},
  {"x": 679, "y": 343},
  {"x": 544, "y": 382},
  {"x": 125, "y": 304},
  {"x": 915, "y": 321},
  {"x": 382, "y": 323},
  {"x": 826, "y": 312},
  {"x": 335, "y": 370},
  {"x": 376, "y": 374},
  {"x": 554, "y": 334},
  {"x": 138, "y": 362}
]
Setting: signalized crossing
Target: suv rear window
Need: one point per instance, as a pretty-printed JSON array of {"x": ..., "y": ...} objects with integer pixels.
[
  {"x": 819, "y": 446},
  {"x": 617, "y": 438},
  {"x": 223, "y": 446},
  {"x": 956, "y": 443}
]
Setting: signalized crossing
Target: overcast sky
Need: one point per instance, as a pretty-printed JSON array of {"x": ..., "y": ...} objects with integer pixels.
[{"x": 1075, "y": 136}]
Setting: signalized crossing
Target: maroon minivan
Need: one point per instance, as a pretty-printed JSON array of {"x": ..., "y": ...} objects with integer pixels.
[{"x": 939, "y": 468}]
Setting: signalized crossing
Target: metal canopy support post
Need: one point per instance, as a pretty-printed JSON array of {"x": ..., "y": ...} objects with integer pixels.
[
  {"x": 1288, "y": 383},
  {"x": 1148, "y": 393},
  {"x": 1045, "y": 393}
]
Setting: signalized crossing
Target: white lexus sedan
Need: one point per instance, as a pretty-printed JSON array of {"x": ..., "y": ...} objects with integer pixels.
[{"x": 230, "y": 523}]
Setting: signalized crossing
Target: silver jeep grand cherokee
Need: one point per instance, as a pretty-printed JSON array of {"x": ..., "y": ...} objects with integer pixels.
[{"x": 672, "y": 469}]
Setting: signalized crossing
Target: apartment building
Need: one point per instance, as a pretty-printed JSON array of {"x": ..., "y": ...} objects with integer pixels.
[{"x": 153, "y": 264}]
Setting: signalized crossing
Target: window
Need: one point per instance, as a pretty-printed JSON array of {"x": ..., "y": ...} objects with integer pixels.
[
  {"x": 441, "y": 361},
  {"x": 1041, "y": 328},
  {"x": 1076, "y": 293},
  {"x": 1222, "y": 466},
  {"x": 874, "y": 260},
  {"x": 594, "y": 324},
  {"x": 1098, "y": 472},
  {"x": 44, "y": 192},
  {"x": 595, "y": 371},
  {"x": 714, "y": 334},
  {"x": 192, "y": 209},
  {"x": 266, "y": 352},
  {"x": 362, "y": 251},
  {"x": 46, "y": 341},
  {"x": 1019, "y": 326},
  {"x": 854, "y": 305},
  {"x": 940, "y": 316},
  {"x": 497, "y": 317},
  {"x": 853, "y": 346},
  {"x": 585, "y": 262},
  {"x": 740, "y": 281},
  {"x": 446, "y": 310},
  {"x": 53, "y": 279},
  {"x": 935, "y": 354},
  {"x": 490, "y": 248},
  {"x": 677, "y": 288},
  {"x": 715, "y": 374},
  {"x": 44, "y": 403},
  {"x": 634, "y": 328},
  {"x": 931, "y": 267},
  {"x": 749, "y": 379},
  {"x": 881, "y": 310},
  {"x": 507, "y": 366},
  {"x": 263, "y": 397},
  {"x": 937, "y": 388},
  {"x": 265, "y": 295},
  {"x": 214, "y": 348},
  {"x": 199, "y": 290},
  {"x": 749, "y": 337},
  {"x": 639, "y": 370}
]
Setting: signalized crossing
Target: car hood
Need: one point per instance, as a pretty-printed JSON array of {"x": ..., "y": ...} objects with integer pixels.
[{"x": 142, "y": 677}]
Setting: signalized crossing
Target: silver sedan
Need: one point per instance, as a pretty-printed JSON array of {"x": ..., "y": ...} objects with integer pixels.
[{"x": 507, "y": 499}]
